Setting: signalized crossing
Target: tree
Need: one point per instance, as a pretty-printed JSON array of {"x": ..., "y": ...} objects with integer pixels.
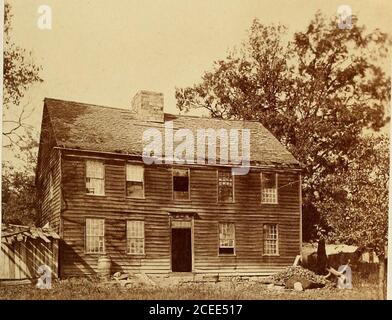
[
  {"x": 316, "y": 92},
  {"x": 19, "y": 202},
  {"x": 19, "y": 74},
  {"x": 358, "y": 200}
]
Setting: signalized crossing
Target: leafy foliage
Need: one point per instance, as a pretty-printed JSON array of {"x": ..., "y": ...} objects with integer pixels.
[
  {"x": 358, "y": 203},
  {"x": 19, "y": 201},
  {"x": 316, "y": 92},
  {"x": 19, "y": 205}
]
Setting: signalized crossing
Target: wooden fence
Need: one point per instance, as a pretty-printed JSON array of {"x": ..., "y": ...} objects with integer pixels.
[{"x": 21, "y": 255}]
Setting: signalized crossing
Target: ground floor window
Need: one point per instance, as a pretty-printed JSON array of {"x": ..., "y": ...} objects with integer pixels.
[
  {"x": 270, "y": 239},
  {"x": 226, "y": 238},
  {"x": 95, "y": 236},
  {"x": 135, "y": 237}
]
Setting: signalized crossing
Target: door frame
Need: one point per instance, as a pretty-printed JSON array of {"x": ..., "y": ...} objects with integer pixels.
[{"x": 190, "y": 220}]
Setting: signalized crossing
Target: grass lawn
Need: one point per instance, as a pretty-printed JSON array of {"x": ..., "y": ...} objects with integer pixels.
[{"x": 89, "y": 289}]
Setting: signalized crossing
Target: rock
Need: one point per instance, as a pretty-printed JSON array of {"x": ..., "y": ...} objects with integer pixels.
[
  {"x": 305, "y": 283},
  {"x": 145, "y": 279},
  {"x": 298, "y": 286},
  {"x": 120, "y": 276},
  {"x": 270, "y": 286},
  {"x": 316, "y": 281},
  {"x": 273, "y": 287},
  {"x": 278, "y": 288}
]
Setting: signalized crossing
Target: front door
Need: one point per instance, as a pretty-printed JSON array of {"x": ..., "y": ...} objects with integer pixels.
[{"x": 181, "y": 250}]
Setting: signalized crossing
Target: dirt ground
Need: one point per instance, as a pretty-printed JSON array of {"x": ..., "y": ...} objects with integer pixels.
[{"x": 70, "y": 289}]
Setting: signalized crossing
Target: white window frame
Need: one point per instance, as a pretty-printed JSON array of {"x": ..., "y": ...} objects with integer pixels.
[
  {"x": 189, "y": 183},
  {"x": 267, "y": 237},
  {"x": 129, "y": 165},
  {"x": 87, "y": 162},
  {"x": 90, "y": 233},
  {"x": 142, "y": 235},
  {"x": 227, "y": 239},
  {"x": 232, "y": 190},
  {"x": 271, "y": 193}
]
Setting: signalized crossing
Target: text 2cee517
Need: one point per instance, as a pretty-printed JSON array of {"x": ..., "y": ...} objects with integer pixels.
[{"x": 218, "y": 309}]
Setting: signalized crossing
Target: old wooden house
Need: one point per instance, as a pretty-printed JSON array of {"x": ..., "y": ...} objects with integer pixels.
[{"x": 99, "y": 195}]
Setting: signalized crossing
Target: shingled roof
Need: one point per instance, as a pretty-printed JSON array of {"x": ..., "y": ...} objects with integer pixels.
[{"x": 106, "y": 129}]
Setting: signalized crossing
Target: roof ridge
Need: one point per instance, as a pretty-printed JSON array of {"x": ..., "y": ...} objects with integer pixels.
[
  {"x": 87, "y": 104},
  {"x": 211, "y": 118},
  {"x": 166, "y": 113}
]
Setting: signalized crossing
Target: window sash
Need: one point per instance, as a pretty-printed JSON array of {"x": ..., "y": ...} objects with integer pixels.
[
  {"x": 269, "y": 188},
  {"x": 95, "y": 169},
  {"x": 134, "y": 181},
  {"x": 225, "y": 186},
  {"x": 95, "y": 177},
  {"x": 95, "y": 236},
  {"x": 181, "y": 190},
  {"x": 270, "y": 239},
  {"x": 135, "y": 237},
  {"x": 135, "y": 173},
  {"x": 226, "y": 235}
]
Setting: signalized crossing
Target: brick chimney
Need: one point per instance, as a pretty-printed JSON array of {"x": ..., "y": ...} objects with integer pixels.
[{"x": 148, "y": 105}]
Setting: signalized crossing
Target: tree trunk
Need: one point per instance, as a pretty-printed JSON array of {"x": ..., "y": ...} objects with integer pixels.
[
  {"x": 381, "y": 278},
  {"x": 322, "y": 259}
]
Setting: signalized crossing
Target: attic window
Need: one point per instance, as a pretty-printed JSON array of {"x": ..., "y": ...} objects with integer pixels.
[
  {"x": 269, "y": 188},
  {"x": 181, "y": 184},
  {"x": 95, "y": 177},
  {"x": 225, "y": 186},
  {"x": 135, "y": 181}
]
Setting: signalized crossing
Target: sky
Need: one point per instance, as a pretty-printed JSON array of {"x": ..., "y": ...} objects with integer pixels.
[{"x": 104, "y": 51}]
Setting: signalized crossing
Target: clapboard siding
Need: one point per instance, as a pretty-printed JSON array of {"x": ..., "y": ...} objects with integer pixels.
[
  {"x": 51, "y": 208},
  {"x": 246, "y": 212},
  {"x": 48, "y": 162}
]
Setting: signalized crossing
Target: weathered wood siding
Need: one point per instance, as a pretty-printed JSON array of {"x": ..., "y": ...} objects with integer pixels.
[
  {"x": 247, "y": 213},
  {"x": 48, "y": 161}
]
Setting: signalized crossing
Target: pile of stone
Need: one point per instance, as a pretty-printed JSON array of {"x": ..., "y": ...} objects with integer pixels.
[
  {"x": 127, "y": 279},
  {"x": 299, "y": 278}
]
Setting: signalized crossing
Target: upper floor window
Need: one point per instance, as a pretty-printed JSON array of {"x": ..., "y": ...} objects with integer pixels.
[
  {"x": 135, "y": 237},
  {"x": 135, "y": 181},
  {"x": 269, "y": 188},
  {"x": 225, "y": 186},
  {"x": 226, "y": 238},
  {"x": 181, "y": 184},
  {"x": 95, "y": 177},
  {"x": 270, "y": 239},
  {"x": 95, "y": 236}
]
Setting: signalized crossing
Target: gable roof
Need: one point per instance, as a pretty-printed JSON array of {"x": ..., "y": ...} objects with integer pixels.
[{"x": 104, "y": 129}]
